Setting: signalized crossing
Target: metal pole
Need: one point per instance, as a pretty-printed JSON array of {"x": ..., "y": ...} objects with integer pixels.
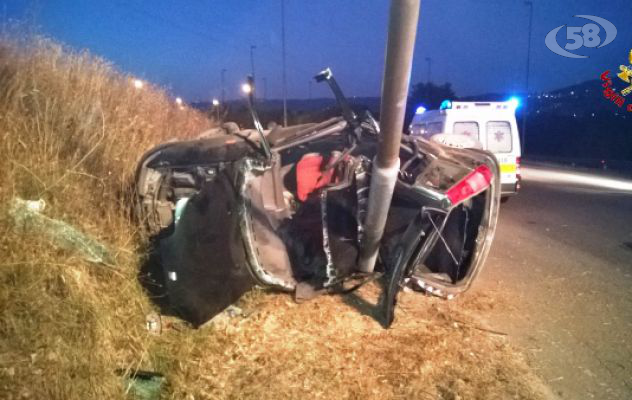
[
  {"x": 526, "y": 98},
  {"x": 223, "y": 85},
  {"x": 429, "y": 60},
  {"x": 284, "y": 84},
  {"x": 252, "y": 62},
  {"x": 4, "y": 19},
  {"x": 402, "y": 29}
]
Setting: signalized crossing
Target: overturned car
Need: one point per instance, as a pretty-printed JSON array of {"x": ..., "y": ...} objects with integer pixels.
[{"x": 286, "y": 209}]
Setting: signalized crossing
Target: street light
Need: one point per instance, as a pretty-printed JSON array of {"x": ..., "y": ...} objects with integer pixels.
[
  {"x": 216, "y": 107},
  {"x": 526, "y": 97},
  {"x": 223, "y": 82},
  {"x": 178, "y": 101},
  {"x": 284, "y": 79},
  {"x": 138, "y": 84},
  {"x": 246, "y": 88},
  {"x": 252, "y": 60}
]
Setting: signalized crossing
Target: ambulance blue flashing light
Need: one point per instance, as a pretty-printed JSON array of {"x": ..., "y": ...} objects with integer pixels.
[
  {"x": 445, "y": 105},
  {"x": 514, "y": 102}
]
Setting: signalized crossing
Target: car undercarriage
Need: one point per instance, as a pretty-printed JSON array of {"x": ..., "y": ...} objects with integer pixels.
[{"x": 286, "y": 209}]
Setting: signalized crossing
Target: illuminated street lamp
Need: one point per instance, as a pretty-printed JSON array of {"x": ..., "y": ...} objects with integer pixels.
[
  {"x": 246, "y": 88},
  {"x": 179, "y": 103},
  {"x": 138, "y": 84},
  {"x": 216, "y": 107}
]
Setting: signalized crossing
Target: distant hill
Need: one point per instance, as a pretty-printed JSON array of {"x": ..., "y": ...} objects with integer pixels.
[
  {"x": 582, "y": 98},
  {"x": 572, "y": 121}
]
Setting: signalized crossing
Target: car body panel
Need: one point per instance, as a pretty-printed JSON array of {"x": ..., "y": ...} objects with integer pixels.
[{"x": 224, "y": 218}]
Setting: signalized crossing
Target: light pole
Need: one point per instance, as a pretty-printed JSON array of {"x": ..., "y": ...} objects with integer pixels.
[
  {"x": 526, "y": 98},
  {"x": 216, "y": 107},
  {"x": 252, "y": 61},
  {"x": 429, "y": 61},
  {"x": 284, "y": 83},
  {"x": 402, "y": 31},
  {"x": 223, "y": 82}
]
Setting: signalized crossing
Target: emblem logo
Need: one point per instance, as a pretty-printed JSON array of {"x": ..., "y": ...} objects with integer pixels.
[{"x": 581, "y": 36}]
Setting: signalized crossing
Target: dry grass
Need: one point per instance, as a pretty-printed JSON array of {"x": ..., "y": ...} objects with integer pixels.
[
  {"x": 72, "y": 129},
  {"x": 333, "y": 348}
]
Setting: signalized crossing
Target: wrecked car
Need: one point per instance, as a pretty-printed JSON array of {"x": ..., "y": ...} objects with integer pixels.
[{"x": 285, "y": 209}]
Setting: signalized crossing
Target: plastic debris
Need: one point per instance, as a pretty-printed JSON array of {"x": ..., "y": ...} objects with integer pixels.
[
  {"x": 222, "y": 319},
  {"x": 143, "y": 385},
  {"x": 27, "y": 215},
  {"x": 233, "y": 311},
  {"x": 153, "y": 323}
]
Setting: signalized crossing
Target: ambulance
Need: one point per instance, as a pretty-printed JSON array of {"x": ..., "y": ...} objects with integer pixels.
[{"x": 486, "y": 125}]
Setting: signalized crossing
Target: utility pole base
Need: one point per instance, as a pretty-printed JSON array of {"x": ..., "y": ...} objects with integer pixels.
[{"x": 380, "y": 194}]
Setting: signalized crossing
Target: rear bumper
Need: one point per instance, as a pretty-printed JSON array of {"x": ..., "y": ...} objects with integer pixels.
[{"x": 509, "y": 189}]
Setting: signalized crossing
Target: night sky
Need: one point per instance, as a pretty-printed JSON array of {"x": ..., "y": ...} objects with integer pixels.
[{"x": 479, "y": 46}]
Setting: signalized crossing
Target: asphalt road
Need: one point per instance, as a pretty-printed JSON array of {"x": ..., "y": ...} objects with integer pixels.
[{"x": 560, "y": 270}]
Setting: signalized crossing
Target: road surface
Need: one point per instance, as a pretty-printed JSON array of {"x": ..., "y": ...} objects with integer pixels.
[{"x": 560, "y": 270}]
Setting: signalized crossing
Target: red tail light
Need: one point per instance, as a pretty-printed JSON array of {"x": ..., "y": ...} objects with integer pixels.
[
  {"x": 474, "y": 183},
  {"x": 518, "y": 168}
]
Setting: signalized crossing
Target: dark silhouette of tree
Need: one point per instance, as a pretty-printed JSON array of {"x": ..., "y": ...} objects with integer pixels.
[{"x": 430, "y": 95}]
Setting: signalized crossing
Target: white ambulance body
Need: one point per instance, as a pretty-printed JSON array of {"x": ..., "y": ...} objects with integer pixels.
[{"x": 488, "y": 125}]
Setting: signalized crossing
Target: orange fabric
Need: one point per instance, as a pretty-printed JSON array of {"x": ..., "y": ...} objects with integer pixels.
[{"x": 309, "y": 176}]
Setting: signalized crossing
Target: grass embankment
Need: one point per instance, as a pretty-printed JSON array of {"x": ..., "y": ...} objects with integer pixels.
[{"x": 72, "y": 130}]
